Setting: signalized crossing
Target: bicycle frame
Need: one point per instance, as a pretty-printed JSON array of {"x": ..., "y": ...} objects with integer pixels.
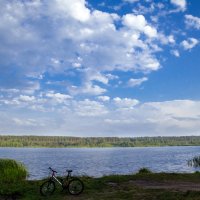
[{"x": 53, "y": 176}]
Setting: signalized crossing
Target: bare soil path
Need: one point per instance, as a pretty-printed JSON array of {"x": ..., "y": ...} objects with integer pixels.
[{"x": 168, "y": 185}]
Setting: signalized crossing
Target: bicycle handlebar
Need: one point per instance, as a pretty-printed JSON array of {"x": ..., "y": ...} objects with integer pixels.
[
  {"x": 53, "y": 170},
  {"x": 69, "y": 171}
]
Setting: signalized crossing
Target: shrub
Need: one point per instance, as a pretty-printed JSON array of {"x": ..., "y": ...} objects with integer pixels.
[
  {"x": 12, "y": 176},
  {"x": 144, "y": 170}
]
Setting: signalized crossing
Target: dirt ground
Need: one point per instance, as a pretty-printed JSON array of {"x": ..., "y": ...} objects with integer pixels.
[{"x": 169, "y": 185}]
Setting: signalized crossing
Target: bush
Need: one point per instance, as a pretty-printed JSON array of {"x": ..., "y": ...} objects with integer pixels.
[
  {"x": 144, "y": 171},
  {"x": 12, "y": 176}
]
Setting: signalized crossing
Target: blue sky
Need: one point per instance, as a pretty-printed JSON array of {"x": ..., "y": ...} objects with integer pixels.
[{"x": 100, "y": 68}]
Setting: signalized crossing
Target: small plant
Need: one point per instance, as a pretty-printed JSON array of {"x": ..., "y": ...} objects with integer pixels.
[
  {"x": 144, "y": 170},
  {"x": 194, "y": 162},
  {"x": 12, "y": 175}
]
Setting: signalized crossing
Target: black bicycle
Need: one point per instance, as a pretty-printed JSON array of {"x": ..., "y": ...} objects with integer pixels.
[{"x": 73, "y": 185}]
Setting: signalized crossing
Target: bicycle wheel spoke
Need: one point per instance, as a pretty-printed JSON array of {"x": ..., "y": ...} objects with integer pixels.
[
  {"x": 47, "y": 188},
  {"x": 75, "y": 187}
]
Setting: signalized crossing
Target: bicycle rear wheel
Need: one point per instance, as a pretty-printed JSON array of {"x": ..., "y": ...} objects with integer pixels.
[
  {"x": 47, "y": 188},
  {"x": 75, "y": 186}
]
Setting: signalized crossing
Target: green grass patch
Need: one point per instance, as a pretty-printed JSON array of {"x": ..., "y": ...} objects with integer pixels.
[
  {"x": 144, "y": 171},
  {"x": 12, "y": 176}
]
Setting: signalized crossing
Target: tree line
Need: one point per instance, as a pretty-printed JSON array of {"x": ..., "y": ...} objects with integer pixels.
[{"x": 62, "y": 141}]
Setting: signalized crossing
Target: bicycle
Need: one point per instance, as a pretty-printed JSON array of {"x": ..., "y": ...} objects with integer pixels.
[{"x": 73, "y": 185}]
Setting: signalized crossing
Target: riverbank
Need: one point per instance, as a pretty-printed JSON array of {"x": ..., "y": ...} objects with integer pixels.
[{"x": 146, "y": 186}]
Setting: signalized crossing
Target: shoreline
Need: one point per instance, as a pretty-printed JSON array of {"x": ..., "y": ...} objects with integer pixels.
[
  {"x": 96, "y": 147},
  {"x": 146, "y": 186}
]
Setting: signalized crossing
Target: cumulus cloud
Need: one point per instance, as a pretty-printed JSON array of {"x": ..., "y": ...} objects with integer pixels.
[
  {"x": 181, "y": 4},
  {"x": 119, "y": 117},
  {"x": 96, "y": 76},
  {"x": 65, "y": 38},
  {"x": 26, "y": 98},
  {"x": 103, "y": 98},
  {"x": 89, "y": 108},
  {"x": 175, "y": 53},
  {"x": 139, "y": 23},
  {"x": 136, "y": 82},
  {"x": 167, "y": 39},
  {"x": 58, "y": 97},
  {"x": 192, "y": 21},
  {"x": 189, "y": 43},
  {"x": 125, "y": 102},
  {"x": 171, "y": 39},
  {"x": 88, "y": 89},
  {"x": 70, "y": 8}
]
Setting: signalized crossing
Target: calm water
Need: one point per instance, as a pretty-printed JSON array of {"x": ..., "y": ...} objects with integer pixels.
[{"x": 102, "y": 161}]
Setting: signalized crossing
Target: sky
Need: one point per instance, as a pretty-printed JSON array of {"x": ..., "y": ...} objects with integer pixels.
[{"x": 121, "y": 68}]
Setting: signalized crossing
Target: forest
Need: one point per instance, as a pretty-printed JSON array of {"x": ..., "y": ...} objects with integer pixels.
[{"x": 66, "y": 141}]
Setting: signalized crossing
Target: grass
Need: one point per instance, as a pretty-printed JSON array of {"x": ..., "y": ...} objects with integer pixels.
[
  {"x": 116, "y": 187},
  {"x": 119, "y": 187},
  {"x": 12, "y": 170},
  {"x": 12, "y": 176}
]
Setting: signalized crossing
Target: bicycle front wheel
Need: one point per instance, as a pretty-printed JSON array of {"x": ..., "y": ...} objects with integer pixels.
[
  {"x": 75, "y": 186},
  {"x": 47, "y": 188}
]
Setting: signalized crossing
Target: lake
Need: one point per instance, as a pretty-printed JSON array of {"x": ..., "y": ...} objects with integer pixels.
[{"x": 97, "y": 162}]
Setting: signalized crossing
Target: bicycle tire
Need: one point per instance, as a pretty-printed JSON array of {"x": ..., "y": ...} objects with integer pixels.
[
  {"x": 47, "y": 188},
  {"x": 75, "y": 186}
]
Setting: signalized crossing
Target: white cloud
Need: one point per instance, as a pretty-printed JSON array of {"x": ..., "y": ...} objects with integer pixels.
[
  {"x": 96, "y": 76},
  {"x": 171, "y": 39},
  {"x": 175, "y": 53},
  {"x": 136, "y": 82},
  {"x": 150, "y": 31},
  {"x": 103, "y": 98},
  {"x": 167, "y": 39},
  {"x": 70, "y": 8},
  {"x": 25, "y": 98},
  {"x": 181, "y": 4},
  {"x": 139, "y": 23},
  {"x": 112, "y": 77},
  {"x": 192, "y": 21},
  {"x": 178, "y": 117},
  {"x": 149, "y": 63},
  {"x": 58, "y": 97},
  {"x": 89, "y": 108},
  {"x": 145, "y": 9},
  {"x": 189, "y": 43},
  {"x": 88, "y": 89},
  {"x": 65, "y": 38},
  {"x": 94, "y": 118},
  {"x": 24, "y": 122},
  {"x": 125, "y": 102},
  {"x": 178, "y": 108}
]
